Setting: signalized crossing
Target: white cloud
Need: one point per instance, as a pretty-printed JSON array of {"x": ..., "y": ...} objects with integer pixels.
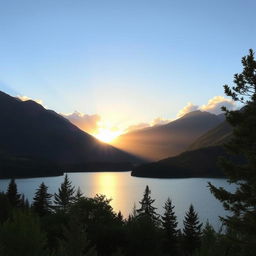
[
  {"x": 214, "y": 105},
  {"x": 87, "y": 123},
  {"x": 26, "y": 98},
  {"x": 188, "y": 108}
]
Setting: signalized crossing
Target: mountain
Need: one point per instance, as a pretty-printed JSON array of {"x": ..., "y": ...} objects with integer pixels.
[
  {"x": 196, "y": 163},
  {"x": 216, "y": 136},
  {"x": 158, "y": 142},
  {"x": 200, "y": 160},
  {"x": 29, "y": 131}
]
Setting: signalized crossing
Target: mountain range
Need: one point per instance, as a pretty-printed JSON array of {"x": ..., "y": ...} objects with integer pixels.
[
  {"x": 162, "y": 141},
  {"x": 31, "y": 134}
]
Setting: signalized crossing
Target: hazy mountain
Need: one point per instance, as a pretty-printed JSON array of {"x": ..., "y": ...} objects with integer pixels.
[
  {"x": 216, "y": 136},
  {"x": 199, "y": 161},
  {"x": 29, "y": 130},
  {"x": 158, "y": 142}
]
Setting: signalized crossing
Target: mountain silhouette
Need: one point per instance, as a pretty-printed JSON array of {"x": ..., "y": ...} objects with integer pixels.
[
  {"x": 29, "y": 130},
  {"x": 158, "y": 142}
]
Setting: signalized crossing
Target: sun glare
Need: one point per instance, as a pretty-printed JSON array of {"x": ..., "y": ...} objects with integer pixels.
[{"x": 107, "y": 135}]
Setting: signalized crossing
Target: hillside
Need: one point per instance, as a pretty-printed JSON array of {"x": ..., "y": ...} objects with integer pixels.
[
  {"x": 30, "y": 131},
  {"x": 163, "y": 141}
]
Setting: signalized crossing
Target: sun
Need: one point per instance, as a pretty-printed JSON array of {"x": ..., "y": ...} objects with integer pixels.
[{"x": 106, "y": 135}]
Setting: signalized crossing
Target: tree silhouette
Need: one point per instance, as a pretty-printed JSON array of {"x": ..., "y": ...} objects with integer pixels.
[
  {"x": 169, "y": 223},
  {"x": 12, "y": 194},
  {"x": 241, "y": 168},
  {"x": 191, "y": 231},
  {"x": 146, "y": 209},
  {"x": 42, "y": 201}
]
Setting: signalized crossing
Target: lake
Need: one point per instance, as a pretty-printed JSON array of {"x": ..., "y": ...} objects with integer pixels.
[{"x": 126, "y": 191}]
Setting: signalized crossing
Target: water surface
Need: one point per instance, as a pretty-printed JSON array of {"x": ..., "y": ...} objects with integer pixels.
[{"x": 126, "y": 191}]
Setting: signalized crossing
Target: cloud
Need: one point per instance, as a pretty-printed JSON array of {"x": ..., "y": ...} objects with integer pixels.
[
  {"x": 188, "y": 108},
  {"x": 159, "y": 121},
  {"x": 26, "y": 98},
  {"x": 214, "y": 105},
  {"x": 87, "y": 123}
]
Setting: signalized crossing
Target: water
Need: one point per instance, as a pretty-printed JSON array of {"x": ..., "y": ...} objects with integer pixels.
[{"x": 126, "y": 191}]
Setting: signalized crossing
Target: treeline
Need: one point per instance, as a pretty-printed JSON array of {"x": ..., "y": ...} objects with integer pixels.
[{"x": 70, "y": 224}]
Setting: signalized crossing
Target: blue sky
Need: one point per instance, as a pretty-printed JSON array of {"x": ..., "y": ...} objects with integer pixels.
[{"x": 128, "y": 61}]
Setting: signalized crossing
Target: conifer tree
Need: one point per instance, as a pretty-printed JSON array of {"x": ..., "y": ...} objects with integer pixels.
[
  {"x": 191, "y": 231},
  {"x": 12, "y": 194},
  {"x": 169, "y": 223},
  {"x": 146, "y": 208},
  {"x": 65, "y": 195},
  {"x": 241, "y": 168},
  {"x": 42, "y": 201},
  {"x": 79, "y": 194}
]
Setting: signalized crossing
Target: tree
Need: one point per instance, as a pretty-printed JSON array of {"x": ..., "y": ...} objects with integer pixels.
[
  {"x": 240, "y": 169},
  {"x": 191, "y": 231},
  {"x": 79, "y": 194},
  {"x": 146, "y": 209},
  {"x": 12, "y": 194},
  {"x": 42, "y": 201},
  {"x": 21, "y": 235},
  {"x": 169, "y": 223},
  {"x": 65, "y": 195}
]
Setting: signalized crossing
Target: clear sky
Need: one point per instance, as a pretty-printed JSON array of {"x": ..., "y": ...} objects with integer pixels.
[{"x": 128, "y": 61}]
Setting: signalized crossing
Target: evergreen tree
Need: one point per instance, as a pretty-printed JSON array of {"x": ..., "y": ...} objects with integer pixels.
[
  {"x": 42, "y": 201},
  {"x": 65, "y": 195},
  {"x": 146, "y": 209},
  {"x": 241, "y": 168},
  {"x": 79, "y": 194},
  {"x": 169, "y": 223},
  {"x": 191, "y": 231},
  {"x": 12, "y": 194}
]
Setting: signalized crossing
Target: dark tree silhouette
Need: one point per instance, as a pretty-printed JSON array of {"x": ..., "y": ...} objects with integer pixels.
[
  {"x": 191, "y": 231},
  {"x": 42, "y": 201},
  {"x": 169, "y": 223},
  {"x": 65, "y": 195},
  {"x": 146, "y": 208},
  {"x": 79, "y": 194},
  {"x": 12, "y": 194},
  {"x": 242, "y": 202}
]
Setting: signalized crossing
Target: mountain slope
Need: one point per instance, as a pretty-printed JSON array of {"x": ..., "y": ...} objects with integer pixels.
[
  {"x": 163, "y": 141},
  {"x": 216, "y": 136},
  {"x": 29, "y": 130}
]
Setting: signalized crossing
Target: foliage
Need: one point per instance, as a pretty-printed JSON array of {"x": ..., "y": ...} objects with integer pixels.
[
  {"x": 242, "y": 202},
  {"x": 65, "y": 195},
  {"x": 42, "y": 201},
  {"x": 12, "y": 194},
  {"x": 191, "y": 231}
]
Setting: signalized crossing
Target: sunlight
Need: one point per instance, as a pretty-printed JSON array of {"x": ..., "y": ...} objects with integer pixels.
[{"x": 106, "y": 135}]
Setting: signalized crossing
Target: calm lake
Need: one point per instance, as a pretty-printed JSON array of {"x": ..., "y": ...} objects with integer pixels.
[{"x": 126, "y": 191}]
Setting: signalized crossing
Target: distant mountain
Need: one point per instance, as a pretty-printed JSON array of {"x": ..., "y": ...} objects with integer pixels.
[
  {"x": 201, "y": 159},
  {"x": 196, "y": 163},
  {"x": 216, "y": 136},
  {"x": 163, "y": 141},
  {"x": 30, "y": 131}
]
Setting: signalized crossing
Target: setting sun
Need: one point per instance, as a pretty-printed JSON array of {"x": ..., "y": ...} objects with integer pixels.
[{"x": 106, "y": 135}]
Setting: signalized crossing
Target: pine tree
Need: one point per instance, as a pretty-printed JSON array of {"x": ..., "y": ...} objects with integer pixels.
[
  {"x": 241, "y": 168},
  {"x": 146, "y": 209},
  {"x": 42, "y": 201},
  {"x": 191, "y": 231},
  {"x": 12, "y": 194},
  {"x": 65, "y": 195},
  {"x": 169, "y": 223},
  {"x": 79, "y": 194}
]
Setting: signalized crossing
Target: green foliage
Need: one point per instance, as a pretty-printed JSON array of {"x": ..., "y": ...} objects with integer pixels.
[
  {"x": 65, "y": 196},
  {"x": 12, "y": 194},
  {"x": 42, "y": 201},
  {"x": 241, "y": 203},
  {"x": 21, "y": 235},
  {"x": 191, "y": 231}
]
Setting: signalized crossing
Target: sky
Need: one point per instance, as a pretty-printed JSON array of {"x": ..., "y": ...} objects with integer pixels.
[{"x": 123, "y": 63}]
